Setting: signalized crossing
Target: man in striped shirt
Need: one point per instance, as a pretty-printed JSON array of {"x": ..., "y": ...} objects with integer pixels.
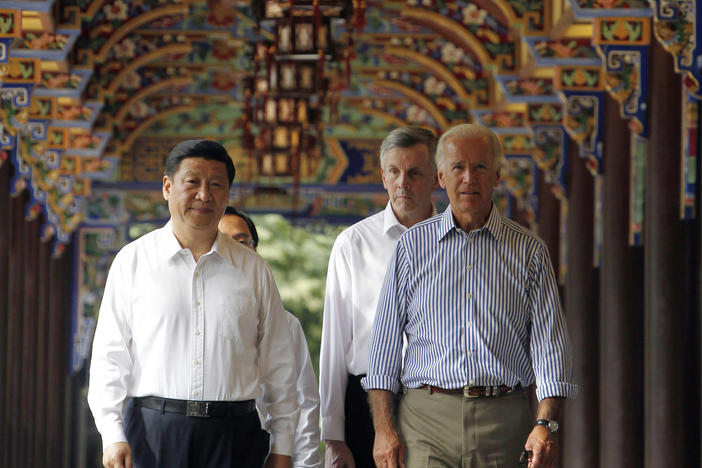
[{"x": 475, "y": 295}]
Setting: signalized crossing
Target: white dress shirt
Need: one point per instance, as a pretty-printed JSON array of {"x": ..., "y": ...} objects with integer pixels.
[
  {"x": 307, "y": 434},
  {"x": 214, "y": 330},
  {"x": 357, "y": 267}
]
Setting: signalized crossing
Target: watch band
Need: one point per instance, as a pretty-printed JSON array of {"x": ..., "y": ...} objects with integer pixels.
[{"x": 551, "y": 425}]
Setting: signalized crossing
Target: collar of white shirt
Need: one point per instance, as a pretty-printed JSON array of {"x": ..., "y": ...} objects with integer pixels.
[
  {"x": 390, "y": 220},
  {"x": 169, "y": 246}
]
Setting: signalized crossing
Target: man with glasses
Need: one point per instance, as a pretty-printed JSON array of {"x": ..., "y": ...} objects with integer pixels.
[{"x": 242, "y": 229}]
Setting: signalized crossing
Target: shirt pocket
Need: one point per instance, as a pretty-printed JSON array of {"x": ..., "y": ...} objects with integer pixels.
[{"x": 237, "y": 319}]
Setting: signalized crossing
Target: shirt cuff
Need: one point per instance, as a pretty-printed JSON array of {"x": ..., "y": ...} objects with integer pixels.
[
  {"x": 333, "y": 428},
  {"x": 283, "y": 443},
  {"x": 112, "y": 434},
  {"x": 380, "y": 382},
  {"x": 556, "y": 389}
]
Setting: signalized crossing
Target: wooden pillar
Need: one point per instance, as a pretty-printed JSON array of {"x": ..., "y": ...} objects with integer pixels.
[
  {"x": 28, "y": 356},
  {"x": 580, "y": 437},
  {"x": 4, "y": 299},
  {"x": 669, "y": 361},
  {"x": 58, "y": 363},
  {"x": 549, "y": 220},
  {"x": 42, "y": 387},
  {"x": 621, "y": 307},
  {"x": 13, "y": 372}
]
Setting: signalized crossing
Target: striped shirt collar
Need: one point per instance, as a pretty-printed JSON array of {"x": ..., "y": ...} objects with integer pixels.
[{"x": 493, "y": 225}]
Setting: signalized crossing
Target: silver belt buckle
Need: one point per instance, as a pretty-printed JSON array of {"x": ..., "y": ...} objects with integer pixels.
[
  {"x": 466, "y": 393},
  {"x": 197, "y": 409}
]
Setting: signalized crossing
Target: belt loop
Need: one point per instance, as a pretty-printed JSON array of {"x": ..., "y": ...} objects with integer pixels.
[
  {"x": 163, "y": 405},
  {"x": 431, "y": 390}
]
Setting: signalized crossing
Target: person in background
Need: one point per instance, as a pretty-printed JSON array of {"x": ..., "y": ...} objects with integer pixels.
[
  {"x": 475, "y": 296},
  {"x": 241, "y": 228},
  {"x": 192, "y": 328},
  {"x": 357, "y": 266}
]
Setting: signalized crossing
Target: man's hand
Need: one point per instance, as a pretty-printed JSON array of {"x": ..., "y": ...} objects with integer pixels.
[
  {"x": 278, "y": 461},
  {"x": 117, "y": 455},
  {"x": 389, "y": 449},
  {"x": 544, "y": 446},
  {"x": 338, "y": 455}
]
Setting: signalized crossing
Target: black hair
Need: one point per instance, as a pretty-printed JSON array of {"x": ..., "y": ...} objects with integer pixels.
[
  {"x": 206, "y": 149},
  {"x": 230, "y": 210}
]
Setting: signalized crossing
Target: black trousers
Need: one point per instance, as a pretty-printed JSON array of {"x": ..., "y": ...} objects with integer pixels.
[
  {"x": 358, "y": 426},
  {"x": 169, "y": 440}
]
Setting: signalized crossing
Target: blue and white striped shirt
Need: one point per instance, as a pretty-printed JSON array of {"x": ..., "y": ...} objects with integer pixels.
[{"x": 477, "y": 308}]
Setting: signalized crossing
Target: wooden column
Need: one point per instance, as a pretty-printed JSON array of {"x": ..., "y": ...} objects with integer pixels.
[
  {"x": 549, "y": 230},
  {"x": 4, "y": 300},
  {"x": 669, "y": 361},
  {"x": 549, "y": 220},
  {"x": 13, "y": 373},
  {"x": 58, "y": 363},
  {"x": 580, "y": 437},
  {"x": 621, "y": 308},
  {"x": 28, "y": 356},
  {"x": 42, "y": 387}
]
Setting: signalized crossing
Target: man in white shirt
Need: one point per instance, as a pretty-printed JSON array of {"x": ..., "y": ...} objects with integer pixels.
[
  {"x": 357, "y": 267},
  {"x": 241, "y": 228},
  {"x": 192, "y": 327}
]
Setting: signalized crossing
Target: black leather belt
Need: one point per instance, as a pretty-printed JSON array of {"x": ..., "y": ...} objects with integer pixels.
[{"x": 195, "y": 408}]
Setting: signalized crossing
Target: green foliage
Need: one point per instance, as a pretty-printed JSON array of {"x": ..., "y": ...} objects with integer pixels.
[{"x": 299, "y": 257}]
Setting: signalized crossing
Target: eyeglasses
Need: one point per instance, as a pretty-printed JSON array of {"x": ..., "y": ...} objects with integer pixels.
[{"x": 244, "y": 239}]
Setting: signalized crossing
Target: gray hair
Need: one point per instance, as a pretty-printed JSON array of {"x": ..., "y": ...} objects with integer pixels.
[
  {"x": 469, "y": 130},
  {"x": 405, "y": 137}
]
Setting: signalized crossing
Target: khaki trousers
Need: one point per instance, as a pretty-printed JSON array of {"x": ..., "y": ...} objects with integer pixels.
[{"x": 452, "y": 431}]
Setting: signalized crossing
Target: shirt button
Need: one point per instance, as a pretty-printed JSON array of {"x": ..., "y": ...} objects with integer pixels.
[
  {"x": 469, "y": 296},
  {"x": 197, "y": 363},
  {"x": 470, "y": 267},
  {"x": 196, "y": 393},
  {"x": 468, "y": 324},
  {"x": 471, "y": 382},
  {"x": 197, "y": 303},
  {"x": 197, "y": 332},
  {"x": 470, "y": 354},
  {"x": 197, "y": 274}
]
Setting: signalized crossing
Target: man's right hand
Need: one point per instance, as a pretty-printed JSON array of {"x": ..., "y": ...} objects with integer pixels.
[
  {"x": 389, "y": 449},
  {"x": 117, "y": 455},
  {"x": 338, "y": 455}
]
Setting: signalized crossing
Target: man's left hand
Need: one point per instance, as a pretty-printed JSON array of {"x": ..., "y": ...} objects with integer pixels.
[
  {"x": 544, "y": 446},
  {"x": 278, "y": 461}
]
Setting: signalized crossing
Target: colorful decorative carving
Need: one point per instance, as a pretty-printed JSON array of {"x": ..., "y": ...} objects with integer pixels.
[
  {"x": 551, "y": 155},
  {"x": 576, "y": 78},
  {"x": 583, "y": 122},
  {"x": 689, "y": 159},
  {"x": 624, "y": 46},
  {"x": 519, "y": 175},
  {"x": 637, "y": 188},
  {"x": 549, "y": 52},
  {"x": 500, "y": 120},
  {"x": 544, "y": 113},
  {"x": 678, "y": 28},
  {"x": 531, "y": 13},
  {"x": 528, "y": 89}
]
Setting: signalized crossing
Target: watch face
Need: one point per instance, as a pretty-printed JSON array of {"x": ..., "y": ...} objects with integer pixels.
[{"x": 553, "y": 426}]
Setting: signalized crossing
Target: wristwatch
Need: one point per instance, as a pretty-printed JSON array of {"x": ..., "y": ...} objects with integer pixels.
[{"x": 550, "y": 424}]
